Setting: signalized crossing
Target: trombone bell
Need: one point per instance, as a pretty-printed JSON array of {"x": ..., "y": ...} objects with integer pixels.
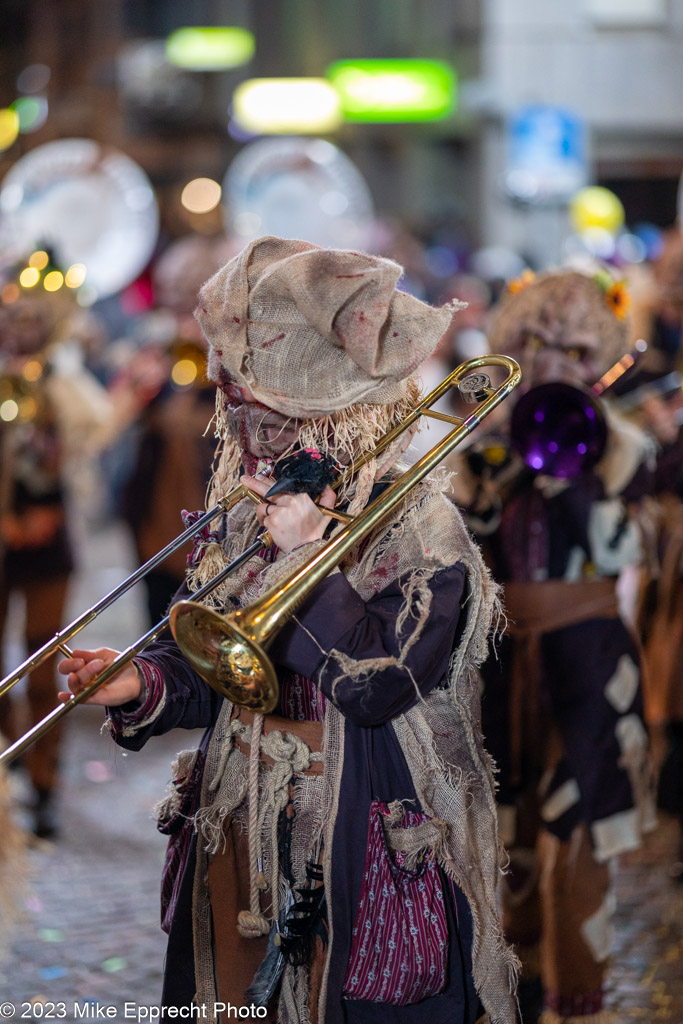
[{"x": 230, "y": 660}]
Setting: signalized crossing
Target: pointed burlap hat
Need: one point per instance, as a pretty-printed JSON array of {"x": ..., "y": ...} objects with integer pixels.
[{"x": 310, "y": 331}]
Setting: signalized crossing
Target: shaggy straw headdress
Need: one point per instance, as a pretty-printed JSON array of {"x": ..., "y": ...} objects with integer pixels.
[
  {"x": 567, "y": 308},
  {"x": 310, "y": 331}
]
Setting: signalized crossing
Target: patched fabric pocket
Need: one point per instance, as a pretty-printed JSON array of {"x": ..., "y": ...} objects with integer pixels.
[{"x": 399, "y": 949}]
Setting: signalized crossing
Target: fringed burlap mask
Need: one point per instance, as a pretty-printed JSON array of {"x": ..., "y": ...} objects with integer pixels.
[{"x": 310, "y": 331}]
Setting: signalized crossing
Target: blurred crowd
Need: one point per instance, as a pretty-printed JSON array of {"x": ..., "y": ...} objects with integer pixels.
[{"x": 99, "y": 422}]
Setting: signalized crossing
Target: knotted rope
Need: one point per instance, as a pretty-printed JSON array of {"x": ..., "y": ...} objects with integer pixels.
[{"x": 290, "y": 756}]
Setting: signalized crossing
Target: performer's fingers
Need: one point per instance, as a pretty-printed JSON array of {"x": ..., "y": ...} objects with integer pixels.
[
  {"x": 78, "y": 680},
  {"x": 258, "y": 484},
  {"x": 328, "y": 498},
  {"x": 69, "y": 665}
]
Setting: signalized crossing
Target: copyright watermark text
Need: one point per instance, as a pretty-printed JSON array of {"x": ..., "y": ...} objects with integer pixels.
[{"x": 130, "y": 1011}]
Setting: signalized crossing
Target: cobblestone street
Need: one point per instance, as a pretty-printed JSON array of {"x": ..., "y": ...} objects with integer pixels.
[{"x": 89, "y": 931}]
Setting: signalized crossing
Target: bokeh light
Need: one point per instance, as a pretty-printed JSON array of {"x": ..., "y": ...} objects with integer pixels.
[
  {"x": 210, "y": 49},
  {"x": 595, "y": 207},
  {"x": 10, "y": 293},
  {"x": 394, "y": 90},
  {"x": 53, "y": 281},
  {"x": 286, "y": 106},
  {"x": 38, "y": 259},
  {"x": 32, "y": 371},
  {"x": 33, "y": 78},
  {"x": 184, "y": 373},
  {"x": 9, "y": 127},
  {"x": 201, "y": 195},
  {"x": 31, "y": 111},
  {"x": 9, "y": 410},
  {"x": 29, "y": 277},
  {"x": 75, "y": 275}
]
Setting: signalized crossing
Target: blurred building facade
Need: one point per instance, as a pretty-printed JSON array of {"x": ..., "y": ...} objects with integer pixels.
[{"x": 614, "y": 63}]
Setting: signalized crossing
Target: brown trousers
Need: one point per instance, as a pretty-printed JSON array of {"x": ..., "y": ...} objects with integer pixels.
[
  {"x": 554, "y": 886},
  {"x": 563, "y": 886},
  {"x": 237, "y": 958},
  {"x": 45, "y": 602}
]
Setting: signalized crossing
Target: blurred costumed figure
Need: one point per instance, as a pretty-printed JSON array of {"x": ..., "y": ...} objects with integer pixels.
[
  {"x": 174, "y": 454},
  {"x": 658, "y": 318},
  {"x": 658, "y": 311},
  {"x": 57, "y": 405},
  {"x": 562, "y": 708},
  {"x": 13, "y": 844}
]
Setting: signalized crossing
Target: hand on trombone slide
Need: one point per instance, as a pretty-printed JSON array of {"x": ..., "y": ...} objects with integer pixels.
[{"x": 85, "y": 665}]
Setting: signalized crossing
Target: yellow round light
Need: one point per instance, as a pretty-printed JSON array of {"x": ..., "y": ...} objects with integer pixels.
[
  {"x": 201, "y": 195},
  {"x": 29, "y": 277},
  {"x": 184, "y": 372},
  {"x": 53, "y": 281},
  {"x": 10, "y": 293},
  {"x": 596, "y": 207},
  {"x": 32, "y": 371},
  {"x": 9, "y": 127},
  {"x": 9, "y": 410},
  {"x": 75, "y": 275},
  {"x": 39, "y": 259}
]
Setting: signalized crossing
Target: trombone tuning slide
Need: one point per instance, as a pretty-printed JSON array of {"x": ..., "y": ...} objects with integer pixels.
[{"x": 475, "y": 388}]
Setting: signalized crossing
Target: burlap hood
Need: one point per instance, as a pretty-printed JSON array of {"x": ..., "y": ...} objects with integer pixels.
[{"x": 310, "y": 331}]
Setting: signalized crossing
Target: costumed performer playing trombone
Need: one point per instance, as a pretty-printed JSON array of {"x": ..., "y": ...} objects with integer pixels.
[{"x": 336, "y": 860}]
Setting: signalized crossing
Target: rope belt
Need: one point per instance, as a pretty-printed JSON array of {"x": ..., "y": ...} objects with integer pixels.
[{"x": 286, "y": 747}]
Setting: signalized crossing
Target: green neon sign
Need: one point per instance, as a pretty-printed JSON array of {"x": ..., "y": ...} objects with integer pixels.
[
  {"x": 210, "y": 49},
  {"x": 394, "y": 90}
]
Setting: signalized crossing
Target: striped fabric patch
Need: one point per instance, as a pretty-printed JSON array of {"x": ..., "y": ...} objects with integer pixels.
[{"x": 399, "y": 948}]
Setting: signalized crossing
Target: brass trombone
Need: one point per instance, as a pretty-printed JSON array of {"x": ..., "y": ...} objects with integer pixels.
[{"x": 229, "y": 651}]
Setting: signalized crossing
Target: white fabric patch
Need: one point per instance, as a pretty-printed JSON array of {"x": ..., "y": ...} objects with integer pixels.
[
  {"x": 623, "y": 685},
  {"x": 616, "y": 834},
  {"x": 630, "y": 733},
  {"x": 598, "y": 931},
  {"x": 561, "y": 800},
  {"x": 613, "y": 542},
  {"x": 575, "y": 564}
]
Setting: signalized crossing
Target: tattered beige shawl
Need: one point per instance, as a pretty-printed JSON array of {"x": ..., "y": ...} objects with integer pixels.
[{"x": 440, "y": 736}]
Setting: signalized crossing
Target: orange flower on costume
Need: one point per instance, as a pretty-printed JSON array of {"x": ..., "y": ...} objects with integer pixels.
[
  {"x": 618, "y": 299},
  {"x": 518, "y": 283}
]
